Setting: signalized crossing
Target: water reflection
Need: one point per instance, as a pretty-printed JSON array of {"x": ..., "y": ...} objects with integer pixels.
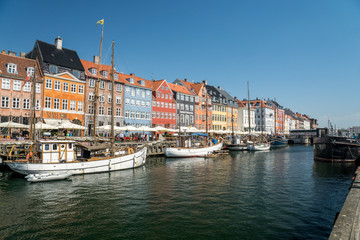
[{"x": 280, "y": 194}]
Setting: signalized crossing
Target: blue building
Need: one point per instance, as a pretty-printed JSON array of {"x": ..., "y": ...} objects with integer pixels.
[{"x": 137, "y": 105}]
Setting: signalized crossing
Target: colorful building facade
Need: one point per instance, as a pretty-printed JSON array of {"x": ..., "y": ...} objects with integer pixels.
[{"x": 163, "y": 105}]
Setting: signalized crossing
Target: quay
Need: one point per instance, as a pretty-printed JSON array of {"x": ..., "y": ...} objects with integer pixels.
[{"x": 347, "y": 224}]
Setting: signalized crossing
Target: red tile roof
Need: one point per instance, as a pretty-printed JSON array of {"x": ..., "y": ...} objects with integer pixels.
[
  {"x": 181, "y": 89},
  {"x": 22, "y": 65}
]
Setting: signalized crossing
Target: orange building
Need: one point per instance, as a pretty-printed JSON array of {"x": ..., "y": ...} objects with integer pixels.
[{"x": 64, "y": 81}]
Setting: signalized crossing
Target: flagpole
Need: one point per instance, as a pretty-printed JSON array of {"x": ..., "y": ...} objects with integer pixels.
[{"x": 97, "y": 83}]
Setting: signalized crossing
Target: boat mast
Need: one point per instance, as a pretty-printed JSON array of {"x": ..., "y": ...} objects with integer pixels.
[
  {"x": 32, "y": 112},
  {"x": 97, "y": 84},
  {"x": 112, "y": 102},
  {"x": 206, "y": 105},
  {"x": 275, "y": 117},
  {"x": 249, "y": 107},
  {"x": 262, "y": 115}
]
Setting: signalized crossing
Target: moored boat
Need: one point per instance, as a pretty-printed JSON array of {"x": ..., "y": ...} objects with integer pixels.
[
  {"x": 191, "y": 152},
  {"x": 61, "y": 156},
  {"x": 336, "y": 149},
  {"x": 278, "y": 141},
  {"x": 258, "y": 146}
]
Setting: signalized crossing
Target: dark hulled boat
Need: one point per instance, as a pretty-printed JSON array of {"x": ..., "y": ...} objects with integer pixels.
[{"x": 336, "y": 149}]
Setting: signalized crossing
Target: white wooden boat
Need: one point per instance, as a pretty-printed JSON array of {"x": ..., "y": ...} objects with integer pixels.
[
  {"x": 258, "y": 146},
  {"x": 60, "y": 156},
  {"x": 48, "y": 176},
  {"x": 191, "y": 152}
]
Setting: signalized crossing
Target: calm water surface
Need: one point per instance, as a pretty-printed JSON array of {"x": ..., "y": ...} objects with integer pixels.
[{"x": 280, "y": 194}]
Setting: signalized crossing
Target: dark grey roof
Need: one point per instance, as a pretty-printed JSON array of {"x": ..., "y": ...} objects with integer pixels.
[
  {"x": 214, "y": 92},
  {"x": 230, "y": 100},
  {"x": 63, "y": 57}
]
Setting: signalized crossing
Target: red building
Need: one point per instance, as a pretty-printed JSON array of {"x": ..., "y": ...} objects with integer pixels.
[{"x": 163, "y": 105}]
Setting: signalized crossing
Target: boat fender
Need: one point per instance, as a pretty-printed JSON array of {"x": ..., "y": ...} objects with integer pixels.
[
  {"x": 29, "y": 156},
  {"x": 62, "y": 161},
  {"x": 130, "y": 150}
]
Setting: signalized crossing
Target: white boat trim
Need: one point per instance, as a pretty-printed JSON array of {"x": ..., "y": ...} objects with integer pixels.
[{"x": 191, "y": 152}]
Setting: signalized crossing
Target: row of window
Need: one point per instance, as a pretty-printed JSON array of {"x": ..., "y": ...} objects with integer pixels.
[
  {"x": 137, "y": 102},
  {"x": 65, "y": 104},
  {"x": 201, "y": 117},
  {"x": 217, "y": 117},
  {"x": 162, "y": 95},
  {"x": 185, "y": 98},
  {"x": 102, "y": 98},
  {"x": 102, "y": 110},
  {"x": 103, "y": 73},
  {"x": 65, "y": 88},
  {"x": 137, "y": 91},
  {"x": 185, "y": 107},
  {"x": 16, "y": 103},
  {"x": 164, "y": 105},
  {"x": 102, "y": 85},
  {"x": 219, "y": 108},
  {"x": 202, "y": 107},
  {"x": 163, "y": 115},
  {"x": 17, "y": 85},
  {"x": 137, "y": 115}
]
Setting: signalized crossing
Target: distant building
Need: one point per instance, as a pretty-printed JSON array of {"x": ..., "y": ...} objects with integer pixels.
[{"x": 219, "y": 108}]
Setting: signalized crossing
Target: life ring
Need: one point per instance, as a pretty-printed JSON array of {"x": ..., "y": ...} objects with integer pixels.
[
  {"x": 29, "y": 156},
  {"x": 130, "y": 150}
]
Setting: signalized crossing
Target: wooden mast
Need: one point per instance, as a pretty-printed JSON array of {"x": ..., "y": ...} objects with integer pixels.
[
  {"x": 262, "y": 116},
  {"x": 206, "y": 105},
  {"x": 275, "y": 111},
  {"x": 112, "y": 102},
  {"x": 33, "y": 113},
  {"x": 249, "y": 107},
  {"x": 96, "y": 97}
]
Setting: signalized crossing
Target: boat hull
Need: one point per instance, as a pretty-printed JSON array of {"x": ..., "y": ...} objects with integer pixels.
[
  {"x": 95, "y": 166},
  {"x": 236, "y": 147},
  {"x": 277, "y": 143},
  {"x": 191, "y": 152},
  {"x": 336, "y": 149},
  {"x": 258, "y": 147}
]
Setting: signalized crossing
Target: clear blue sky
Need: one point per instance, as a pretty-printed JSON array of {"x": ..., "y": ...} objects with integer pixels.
[{"x": 304, "y": 53}]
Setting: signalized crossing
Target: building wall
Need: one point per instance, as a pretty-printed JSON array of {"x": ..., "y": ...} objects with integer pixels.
[
  {"x": 54, "y": 93},
  {"x": 185, "y": 109},
  {"x": 163, "y": 107},
  {"x": 200, "y": 110},
  {"x": 137, "y": 106},
  {"x": 219, "y": 116}
]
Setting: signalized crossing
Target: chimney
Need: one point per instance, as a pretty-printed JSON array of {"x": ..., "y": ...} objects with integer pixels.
[
  {"x": 132, "y": 74},
  {"x": 22, "y": 54},
  {"x": 3, "y": 51},
  {"x": 185, "y": 79},
  {"x": 205, "y": 82},
  {"x": 58, "y": 43},
  {"x": 96, "y": 59},
  {"x": 11, "y": 53},
  {"x": 219, "y": 87}
]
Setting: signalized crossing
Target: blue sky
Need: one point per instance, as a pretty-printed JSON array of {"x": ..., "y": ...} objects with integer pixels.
[{"x": 306, "y": 53}]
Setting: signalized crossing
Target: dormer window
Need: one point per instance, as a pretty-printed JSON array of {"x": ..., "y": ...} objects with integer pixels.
[
  {"x": 131, "y": 80},
  {"x": 92, "y": 71},
  {"x": 76, "y": 73},
  {"x": 11, "y": 68},
  {"x": 116, "y": 76},
  {"x": 142, "y": 82},
  {"x": 30, "y": 71},
  {"x": 53, "y": 69},
  {"x": 104, "y": 74}
]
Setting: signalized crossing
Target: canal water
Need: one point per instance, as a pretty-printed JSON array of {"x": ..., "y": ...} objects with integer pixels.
[{"x": 280, "y": 194}]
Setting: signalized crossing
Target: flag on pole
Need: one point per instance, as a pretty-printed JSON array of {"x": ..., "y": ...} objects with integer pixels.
[
  {"x": 26, "y": 79},
  {"x": 100, "y": 22}
]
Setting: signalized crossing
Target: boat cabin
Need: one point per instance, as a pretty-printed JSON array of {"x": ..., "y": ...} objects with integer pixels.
[{"x": 56, "y": 151}]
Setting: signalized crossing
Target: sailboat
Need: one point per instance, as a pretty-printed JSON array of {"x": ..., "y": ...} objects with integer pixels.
[
  {"x": 185, "y": 148},
  {"x": 278, "y": 140},
  {"x": 255, "y": 146},
  {"x": 63, "y": 156},
  {"x": 235, "y": 143}
]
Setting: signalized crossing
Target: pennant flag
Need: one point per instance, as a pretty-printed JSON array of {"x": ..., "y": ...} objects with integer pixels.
[
  {"x": 26, "y": 79},
  {"x": 100, "y": 22}
]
